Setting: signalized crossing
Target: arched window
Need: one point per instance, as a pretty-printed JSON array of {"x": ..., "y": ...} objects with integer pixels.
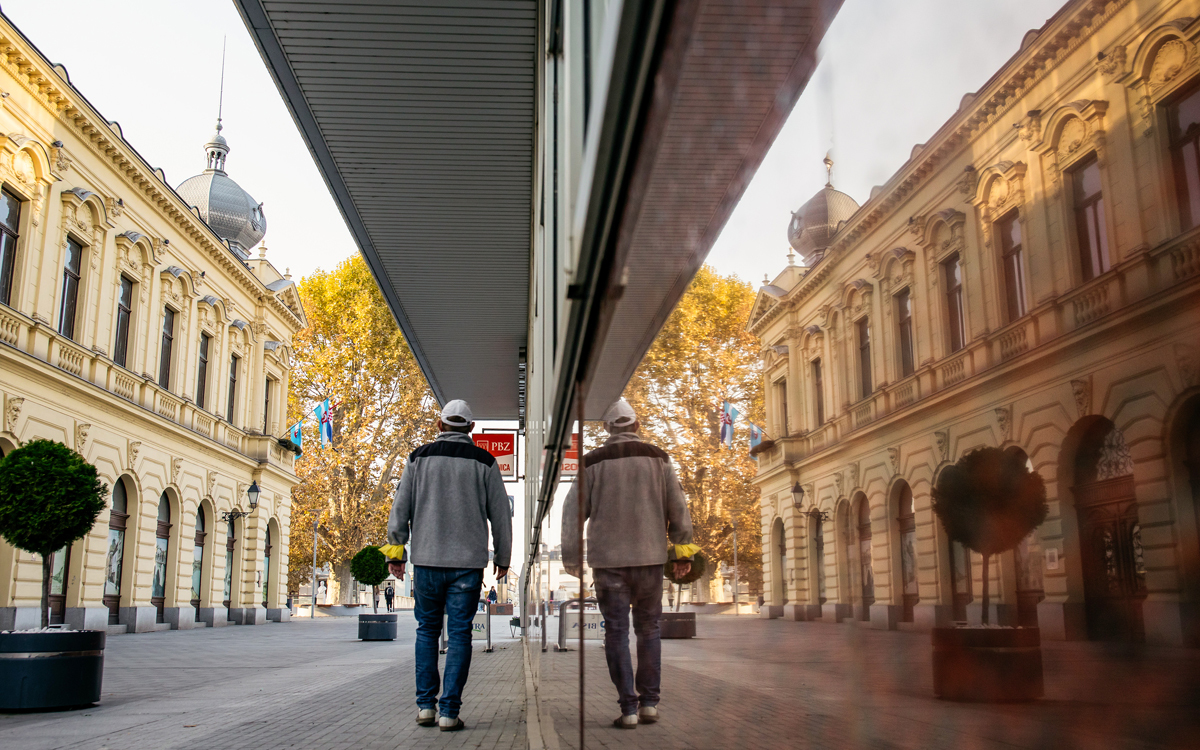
[
  {"x": 117, "y": 519},
  {"x": 266, "y": 585},
  {"x": 908, "y": 553},
  {"x": 10, "y": 225},
  {"x": 198, "y": 560},
  {"x": 864, "y": 558},
  {"x": 230, "y": 547},
  {"x": 162, "y": 536}
]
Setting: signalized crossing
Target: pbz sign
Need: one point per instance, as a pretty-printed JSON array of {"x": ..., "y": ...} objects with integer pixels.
[
  {"x": 479, "y": 627},
  {"x": 593, "y": 626}
]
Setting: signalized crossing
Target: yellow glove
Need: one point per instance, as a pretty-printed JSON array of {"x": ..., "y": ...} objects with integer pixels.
[
  {"x": 393, "y": 551},
  {"x": 685, "y": 550}
]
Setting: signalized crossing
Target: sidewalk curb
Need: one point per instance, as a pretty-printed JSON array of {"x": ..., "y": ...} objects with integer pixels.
[{"x": 533, "y": 711}]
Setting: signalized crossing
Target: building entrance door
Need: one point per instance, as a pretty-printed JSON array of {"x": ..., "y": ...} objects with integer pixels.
[
  {"x": 162, "y": 536},
  {"x": 1114, "y": 573}
]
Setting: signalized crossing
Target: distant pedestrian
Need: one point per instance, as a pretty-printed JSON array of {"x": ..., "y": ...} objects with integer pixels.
[
  {"x": 761, "y": 602},
  {"x": 389, "y": 595},
  {"x": 634, "y": 504},
  {"x": 448, "y": 493},
  {"x": 491, "y": 597}
]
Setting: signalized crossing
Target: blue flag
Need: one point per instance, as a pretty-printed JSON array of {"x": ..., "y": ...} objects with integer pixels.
[
  {"x": 298, "y": 433},
  {"x": 756, "y": 435},
  {"x": 325, "y": 421},
  {"x": 729, "y": 415}
]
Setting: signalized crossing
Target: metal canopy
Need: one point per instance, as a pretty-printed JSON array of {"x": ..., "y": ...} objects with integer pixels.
[{"x": 420, "y": 117}]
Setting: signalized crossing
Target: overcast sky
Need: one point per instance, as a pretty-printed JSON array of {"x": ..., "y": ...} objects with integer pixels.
[{"x": 891, "y": 74}]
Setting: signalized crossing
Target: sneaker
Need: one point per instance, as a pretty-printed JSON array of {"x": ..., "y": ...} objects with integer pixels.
[
  {"x": 629, "y": 721},
  {"x": 427, "y": 717},
  {"x": 446, "y": 724},
  {"x": 647, "y": 714}
]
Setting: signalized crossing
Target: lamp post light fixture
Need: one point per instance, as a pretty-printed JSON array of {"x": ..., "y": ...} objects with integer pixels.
[
  {"x": 798, "y": 504},
  {"x": 252, "y": 494}
]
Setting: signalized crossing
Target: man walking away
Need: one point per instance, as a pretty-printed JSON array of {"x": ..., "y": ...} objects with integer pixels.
[
  {"x": 389, "y": 595},
  {"x": 448, "y": 493},
  {"x": 633, "y": 504}
]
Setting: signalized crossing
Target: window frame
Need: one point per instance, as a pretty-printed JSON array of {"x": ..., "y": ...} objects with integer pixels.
[
  {"x": 121, "y": 337},
  {"x": 905, "y": 344},
  {"x": 866, "y": 374},
  {"x": 1175, "y": 142},
  {"x": 166, "y": 347},
  {"x": 818, "y": 378},
  {"x": 202, "y": 360},
  {"x": 955, "y": 303},
  {"x": 1016, "y": 291},
  {"x": 232, "y": 383},
  {"x": 1098, "y": 221},
  {"x": 70, "y": 276},
  {"x": 8, "y": 261},
  {"x": 781, "y": 406},
  {"x": 268, "y": 382}
]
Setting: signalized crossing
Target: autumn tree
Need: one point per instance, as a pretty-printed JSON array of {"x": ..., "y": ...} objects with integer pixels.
[
  {"x": 354, "y": 354},
  {"x": 702, "y": 357}
]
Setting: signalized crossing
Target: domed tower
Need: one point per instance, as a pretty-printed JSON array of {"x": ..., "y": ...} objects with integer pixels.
[
  {"x": 815, "y": 223},
  {"x": 224, "y": 206}
]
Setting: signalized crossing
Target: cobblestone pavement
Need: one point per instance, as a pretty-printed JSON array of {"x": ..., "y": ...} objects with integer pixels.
[
  {"x": 747, "y": 683},
  {"x": 303, "y": 684}
]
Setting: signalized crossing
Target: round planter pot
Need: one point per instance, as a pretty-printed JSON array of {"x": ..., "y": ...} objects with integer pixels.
[
  {"x": 987, "y": 664},
  {"x": 678, "y": 624},
  {"x": 45, "y": 671},
  {"x": 377, "y": 627}
]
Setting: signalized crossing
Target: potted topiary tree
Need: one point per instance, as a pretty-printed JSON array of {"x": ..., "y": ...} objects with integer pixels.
[
  {"x": 681, "y": 624},
  {"x": 49, "y": 497},
  {"x": 370, "y": 567},
  {"x": 989, "y": 501}
]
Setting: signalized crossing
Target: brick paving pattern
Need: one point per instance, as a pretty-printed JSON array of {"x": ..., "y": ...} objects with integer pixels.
[
  {"x": 304, "y": 684},
  {"x": 752, "y": 683}
]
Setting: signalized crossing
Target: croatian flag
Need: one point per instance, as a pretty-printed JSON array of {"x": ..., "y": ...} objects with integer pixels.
[
  {"x": 325, "y": 419},
  {"x": 729, "y": 415},
  {"x": 298, "y": 433},
  {"x": 756, "y": 435}
]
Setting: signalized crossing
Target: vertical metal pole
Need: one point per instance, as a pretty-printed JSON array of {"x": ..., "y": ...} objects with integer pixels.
[
  {"x": 581, "y": 486},
  {"x": 736, "y": 611},
  {"x": 312, "y": 612}
]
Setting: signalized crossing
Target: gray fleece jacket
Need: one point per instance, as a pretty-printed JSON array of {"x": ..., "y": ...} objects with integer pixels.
[
  {"x": 633, "y": 505},
  {"x": 449, "y": 491}
]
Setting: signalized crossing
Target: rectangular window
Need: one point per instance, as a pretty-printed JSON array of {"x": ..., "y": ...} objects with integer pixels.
[
  {"x": 202, "y": 371},
  {"x": 124, "y": 316},
  {"x": 864, "y": 357},
  {"x": 955, "y": 323},
  {"x": 168, "y": 343},
  {"x": 1089, "y": 219},
  {"x": 1183, "y": 118},
  {"x": 10, "y": 224},
  {"x": 267, "y": 406},
  {"x": 233, "y": 368},
  {"x": 1008, "y": 229},
  {"x": 70, "y": 289},
  {"x": 905, "y": 329},
  {"x": 818, "y": 391},
  {"x": 782, "y": 399}
]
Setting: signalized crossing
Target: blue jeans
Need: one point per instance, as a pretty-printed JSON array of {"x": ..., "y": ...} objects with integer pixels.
[
  {"x": 454, "y": 592},
  {"x": 618, "y": 589}
]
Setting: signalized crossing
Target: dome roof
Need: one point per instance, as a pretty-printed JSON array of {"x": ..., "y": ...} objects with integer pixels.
[
  {"x": 231, "y": 212},
  {"x": 814, "y": 224}
]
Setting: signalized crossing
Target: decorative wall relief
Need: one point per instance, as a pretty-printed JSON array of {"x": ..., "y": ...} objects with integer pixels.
[
  {"x": 1171, "y": 58},
  {"x": 1082, "y": 391},
  {"x": 81, "y": 436},
  {"x": 176, "y": 468},
  {"x": 1004, "y": 423},
  {"x": 134, "y": 447},
  {"x": 1188, "y": 362},
  {"x": 894, "y": 460},
  {"x": 12, "y": 412},
  {"x": 942, "y": 438},
  {"x": 852, "y": 469},
  {"x": 838, "y": 481},
  {"x": 210, "y": 483}
]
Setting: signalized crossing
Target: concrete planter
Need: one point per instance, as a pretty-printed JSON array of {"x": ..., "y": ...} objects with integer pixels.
[
  {"x": 678, "y": 624},
  {"x": 987, "y": 664},
  {"x": 50, "y": 670},
  {"x": 377, "y": 627}
]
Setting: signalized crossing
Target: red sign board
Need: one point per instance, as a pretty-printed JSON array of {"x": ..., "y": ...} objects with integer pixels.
[
  {"x": 502, "y": 445},
  {"x": 570, "y": 465}
]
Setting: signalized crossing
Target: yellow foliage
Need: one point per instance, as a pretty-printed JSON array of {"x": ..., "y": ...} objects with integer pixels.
[{"x": 354, "y": 354}]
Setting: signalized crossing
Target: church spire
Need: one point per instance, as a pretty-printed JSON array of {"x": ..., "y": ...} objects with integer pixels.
[{"x": 217, "y": 148}]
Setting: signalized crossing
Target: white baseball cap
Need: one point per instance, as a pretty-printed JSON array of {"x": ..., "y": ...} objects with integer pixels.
[
  {"x": 620, "y": 414},
  {"x": 456, "y": 413}
]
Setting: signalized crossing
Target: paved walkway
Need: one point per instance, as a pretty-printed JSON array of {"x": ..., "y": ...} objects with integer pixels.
[
  {"x": 303, "y": 684},
  {"x": 749, "y": 683}
]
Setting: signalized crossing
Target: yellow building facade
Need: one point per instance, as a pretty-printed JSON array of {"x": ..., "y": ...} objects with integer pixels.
[
  {"x": 1029, "y": 279},
  {"x": 136, "y": 329}
]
